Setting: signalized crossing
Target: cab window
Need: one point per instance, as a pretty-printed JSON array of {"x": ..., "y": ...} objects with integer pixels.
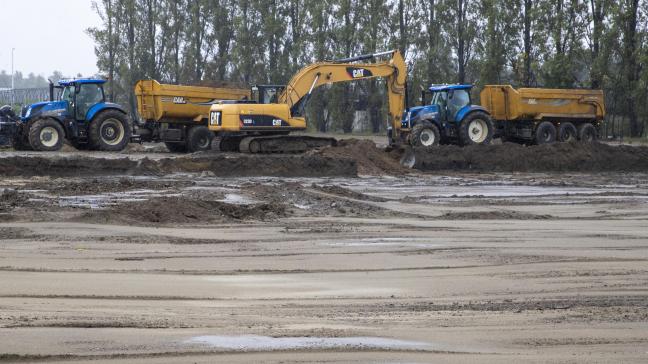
[{"x": 89, "y": 95}]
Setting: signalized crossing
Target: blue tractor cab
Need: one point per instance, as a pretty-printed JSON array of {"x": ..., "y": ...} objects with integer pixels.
[
  {"x": 79, "y": 114},
  {"x": 447, "y": 115}
]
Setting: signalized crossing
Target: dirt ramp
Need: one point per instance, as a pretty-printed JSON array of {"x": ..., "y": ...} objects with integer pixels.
[
  {"x": 219, "y": 164},
  {"x": 508, "y": 157}
]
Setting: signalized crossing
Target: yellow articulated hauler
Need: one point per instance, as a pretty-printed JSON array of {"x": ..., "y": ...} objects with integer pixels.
[
  {"x": 262, "y": 124},
  {"x": 177, "y": 115}
]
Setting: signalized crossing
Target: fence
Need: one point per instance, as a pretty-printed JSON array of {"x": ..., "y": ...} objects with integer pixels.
[{"x": 19, "y": 97}]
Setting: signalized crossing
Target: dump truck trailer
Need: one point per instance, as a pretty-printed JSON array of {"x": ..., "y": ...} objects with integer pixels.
[
  {"x": 178, "y": 115},
  {"x": 544, "y": 115}
]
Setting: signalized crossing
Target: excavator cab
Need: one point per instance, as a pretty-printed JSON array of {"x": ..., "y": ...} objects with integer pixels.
[{"x": 267, "y": 94}]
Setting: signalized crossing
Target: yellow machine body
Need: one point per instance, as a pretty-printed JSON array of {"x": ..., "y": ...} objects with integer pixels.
[
  {"x": 173, "y": 103},
  {"x": 508, "y": 104},
  {"x": 281, "y": 112}
]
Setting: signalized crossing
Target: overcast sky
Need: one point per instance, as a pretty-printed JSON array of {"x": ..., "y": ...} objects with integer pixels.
[{"x": 48, "y": 35}]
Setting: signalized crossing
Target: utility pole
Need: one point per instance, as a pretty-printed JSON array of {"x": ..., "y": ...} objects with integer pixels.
[{"x": 12, "y": 67}]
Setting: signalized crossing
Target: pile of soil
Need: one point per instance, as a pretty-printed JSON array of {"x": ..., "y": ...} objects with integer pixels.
[
  {"x": 99, "y": 185},
  {"x": 10, "y": 199},
  {"x": 492, "y": 215},
  {"x": 509, "y": 157},
  {"x": 183, "y": 210},
  {"x": 280, "y": 165},
  {"x": 370, "y": 159}
]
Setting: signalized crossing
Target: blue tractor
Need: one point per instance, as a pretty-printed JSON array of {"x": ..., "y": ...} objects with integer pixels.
[
  {"x": 447, "y": 116},
  {"x": 80, "y": 114}
]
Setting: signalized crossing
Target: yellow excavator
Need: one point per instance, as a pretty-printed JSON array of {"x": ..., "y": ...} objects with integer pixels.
[{"x": 262, "y": 124}]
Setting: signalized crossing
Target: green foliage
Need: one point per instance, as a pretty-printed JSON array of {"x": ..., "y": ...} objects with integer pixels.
[{"x": 543, "y": 43}]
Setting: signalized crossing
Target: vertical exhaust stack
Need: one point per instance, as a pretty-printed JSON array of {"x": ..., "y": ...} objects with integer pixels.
[{"x": 51, "y": 85}]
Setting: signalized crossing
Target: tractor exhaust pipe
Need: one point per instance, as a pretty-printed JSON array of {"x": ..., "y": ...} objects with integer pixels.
[
  {"x": 363, "y": 57},
  {"x": 51, "y": 90}
]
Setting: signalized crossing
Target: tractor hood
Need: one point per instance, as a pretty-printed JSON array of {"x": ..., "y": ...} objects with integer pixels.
[
  {"x": 424, "y": 112},
  {"x": 46, "y": 108}
]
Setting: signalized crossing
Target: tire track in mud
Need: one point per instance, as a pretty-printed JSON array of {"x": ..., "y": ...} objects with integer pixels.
[{"x": 312, "y": 271}]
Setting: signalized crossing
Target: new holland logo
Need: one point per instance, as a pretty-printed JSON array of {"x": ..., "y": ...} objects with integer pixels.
[{"x": 356, "y": 72}]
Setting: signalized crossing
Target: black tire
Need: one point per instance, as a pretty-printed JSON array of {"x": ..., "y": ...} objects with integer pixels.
[
  {"x": 476, "y": 128},
  {"x": 46, "y": 135},
  {"x": 424, "y": 135},
  {"x": 587, "y": 133},
  {"x": 545, "y": 133},
  {"x": 567, "y": 133},
  {"x": 176, "y": 147},
  {"x": 111, "y": 130},
  {"x": 199, "y": 138}
]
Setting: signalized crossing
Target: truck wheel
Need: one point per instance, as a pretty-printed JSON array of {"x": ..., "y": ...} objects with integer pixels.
[
  {"x": 545, "y": 133},
  {"x": 199, "y": 138},
  {"x": 567, "y": 132},
  {"x": 587, "y": 133},
  {"x": 110, "y": 131},
  {"x": 46, "y": 135},
  {"x": 477, "y": 128},
  {"x": 176, "y": 147},
  {"x": 425, "y": 135}
]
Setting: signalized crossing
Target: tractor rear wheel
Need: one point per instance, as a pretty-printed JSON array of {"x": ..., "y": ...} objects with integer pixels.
[
  {"x": 476, "y": 128},
  {"x": 545, "y": 133},
  {"x": 199, "y": 138},
  {"x": 567, "y": 132},
  {"x": 587, "y": 133},
  {"x": 425, "y": 135},
  {"x": 46, "y": 135},
  {"x": 110, "y": 131}
]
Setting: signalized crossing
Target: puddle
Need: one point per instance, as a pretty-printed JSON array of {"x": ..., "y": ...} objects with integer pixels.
[
  {"x": 236, "y": 199},
  {"x": 267, "y": 343}
]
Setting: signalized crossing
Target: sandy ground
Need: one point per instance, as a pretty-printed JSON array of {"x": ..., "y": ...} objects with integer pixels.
[{"x": 418, "y": 268}]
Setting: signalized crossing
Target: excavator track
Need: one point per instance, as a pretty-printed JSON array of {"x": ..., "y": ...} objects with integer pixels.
[{"x": 283, "y": 144}]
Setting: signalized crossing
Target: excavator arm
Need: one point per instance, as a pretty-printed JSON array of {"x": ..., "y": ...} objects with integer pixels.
[{"x": 394, "y": 70}]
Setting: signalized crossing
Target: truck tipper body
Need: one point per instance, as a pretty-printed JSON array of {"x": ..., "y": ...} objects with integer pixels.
[
  {"x": 544, "y": 115},
  {"x": 178, "y": 115}
]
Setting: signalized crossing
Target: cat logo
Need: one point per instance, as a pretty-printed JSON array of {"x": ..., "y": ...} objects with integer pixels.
[
  {"x": 356, "y": 72},
  {"x": 215, "y": 118},
  {"x": 179, "y": 100}
]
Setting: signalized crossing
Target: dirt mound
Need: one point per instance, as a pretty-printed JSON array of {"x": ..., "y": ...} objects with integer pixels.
[
  {"x": 370, "y": 159},
  {"x": 100, "y": 185},
  {"x": 183, "y": 210},
  {"x": 509, "y": 157},
  {"x": 9, "y": 199},
  {"x": 492, "y": 215},
  {"x": 225, "y": 165}
]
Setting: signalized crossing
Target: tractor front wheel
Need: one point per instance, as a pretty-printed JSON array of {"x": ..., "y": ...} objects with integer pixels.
[
  {"x": 425, "y": 135},
  {"x": 46, "y": 135},
  {"x": 110, "y": 131}
]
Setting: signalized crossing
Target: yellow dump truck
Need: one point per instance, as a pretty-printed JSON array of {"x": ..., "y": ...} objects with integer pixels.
[
  {"x": 177, "y": 115},
  {"x": 544, "y": 115}
]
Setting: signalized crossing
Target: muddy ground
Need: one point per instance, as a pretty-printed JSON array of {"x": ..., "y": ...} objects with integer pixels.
[{"x": 146, "y": 257}]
